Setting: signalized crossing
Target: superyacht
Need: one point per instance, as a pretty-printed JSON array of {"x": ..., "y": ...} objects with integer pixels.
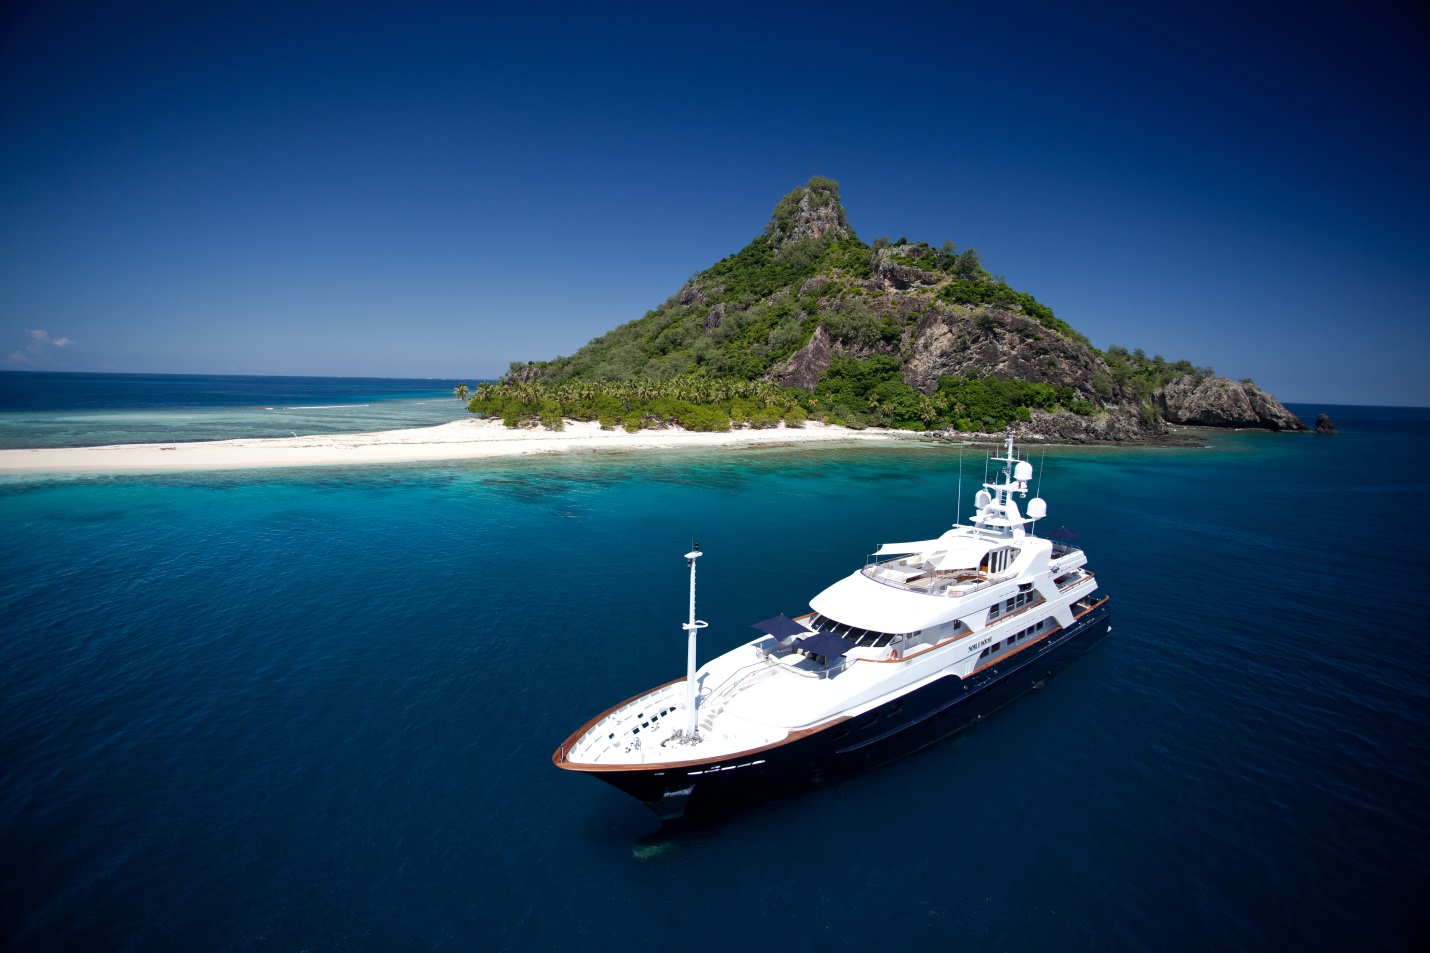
[{"x": 926, "y": 639}]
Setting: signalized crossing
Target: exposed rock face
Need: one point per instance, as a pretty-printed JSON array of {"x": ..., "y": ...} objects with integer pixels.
[
  {"x": 803, "y": 367},
  {"x": 714, "y": 318},
  {"x": 813, "y": 284},
  {"x": 1220, "y": 402},
  {"x": 520, "y": 373},
  {"x": 691, "y": 294},
  {"x": 1122, "y": 423},
  {"x": 897, "y": 276},
  {"x": 1001, "y": 343},
  {"x": 1273, "y": 415},
  {"x": 1324, "y": 424},
  {"x": 811, "y": 211}
]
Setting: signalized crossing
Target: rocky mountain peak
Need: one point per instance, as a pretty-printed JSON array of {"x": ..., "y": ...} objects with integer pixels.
[{"x": 812, "y": 210}]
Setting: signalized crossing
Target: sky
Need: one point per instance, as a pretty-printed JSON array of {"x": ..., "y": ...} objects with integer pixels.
[{"x": 438, "y": 189}]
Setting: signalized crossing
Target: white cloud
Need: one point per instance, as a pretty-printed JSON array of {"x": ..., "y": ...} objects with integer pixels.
[{"x": 39, "y": 346}]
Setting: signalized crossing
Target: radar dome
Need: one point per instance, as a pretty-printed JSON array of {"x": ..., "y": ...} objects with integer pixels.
[
  {"x": 1022, "y": 471},
  {"x": 1037, "y": 508},
  {"x": 982, "y": 499}
]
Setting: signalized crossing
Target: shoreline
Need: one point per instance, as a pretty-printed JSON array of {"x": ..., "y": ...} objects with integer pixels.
[
  {"x": 477, "y": 438},
  {"x": 468, "y": 439}
]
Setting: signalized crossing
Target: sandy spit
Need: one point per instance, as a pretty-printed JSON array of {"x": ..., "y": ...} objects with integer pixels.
[{"x": 469, "y": 439}]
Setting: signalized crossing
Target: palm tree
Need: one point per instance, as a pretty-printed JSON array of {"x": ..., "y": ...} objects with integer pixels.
[
  {"x": 927, "y": 411},
  {"x": 461, "y": 391}
]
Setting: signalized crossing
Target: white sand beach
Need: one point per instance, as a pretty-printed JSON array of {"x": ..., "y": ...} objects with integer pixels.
[{"x": 469, "y": 439}]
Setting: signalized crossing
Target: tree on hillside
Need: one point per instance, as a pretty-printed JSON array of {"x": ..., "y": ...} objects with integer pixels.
[{"x": 970, "y": 263}]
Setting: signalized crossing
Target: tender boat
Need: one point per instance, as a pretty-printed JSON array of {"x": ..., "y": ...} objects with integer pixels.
[{"x": 925, "y": 640}]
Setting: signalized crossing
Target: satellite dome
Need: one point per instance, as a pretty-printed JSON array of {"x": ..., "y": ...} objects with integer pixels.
[
  {"x": 1022, "y": 471},
  {"x": 982, "y": 499},
  {"x": 1037, "y": 508}
]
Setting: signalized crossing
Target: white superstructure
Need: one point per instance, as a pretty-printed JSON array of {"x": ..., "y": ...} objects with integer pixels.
[{"x": 919, "y": 611}]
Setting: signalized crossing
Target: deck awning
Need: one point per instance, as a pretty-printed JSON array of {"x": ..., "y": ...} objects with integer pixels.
[
  {"x": 960, "y": 554},
  {"x": 898, "y": 549},
  {"x": 945, "y": 554},
  {"x": 780, "y": 626},
  {"x": 826, "y": 644}
]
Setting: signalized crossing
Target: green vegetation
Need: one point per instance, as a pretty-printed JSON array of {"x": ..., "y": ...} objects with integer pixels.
[
  {"x": 872, "y": 392},
  {"x": 692, "y": 403},
  {"x": 856, "y": 393},
  {"x": 1136, "y": 375},
  {"x": 998, "y": 295}
]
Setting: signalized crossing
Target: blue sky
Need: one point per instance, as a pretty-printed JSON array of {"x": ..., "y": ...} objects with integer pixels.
[{"x": 438, "y": 189}]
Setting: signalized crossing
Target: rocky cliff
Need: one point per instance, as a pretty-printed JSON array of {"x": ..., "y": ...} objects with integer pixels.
[{"x": 1219, "y": 402}]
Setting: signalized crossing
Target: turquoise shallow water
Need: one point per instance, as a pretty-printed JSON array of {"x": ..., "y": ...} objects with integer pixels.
[
  {"x": 51, "y": 409},
  {"x": 315, "y": 710}
]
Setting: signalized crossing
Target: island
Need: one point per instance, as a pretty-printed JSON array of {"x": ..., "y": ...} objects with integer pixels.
[{"x": 808, "y": 323}]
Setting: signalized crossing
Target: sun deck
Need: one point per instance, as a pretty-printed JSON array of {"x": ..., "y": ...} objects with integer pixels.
[{"x": 912, "y": 574}]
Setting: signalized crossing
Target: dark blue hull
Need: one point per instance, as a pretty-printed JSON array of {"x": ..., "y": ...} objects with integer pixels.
[{"x": 897, "y": 728}]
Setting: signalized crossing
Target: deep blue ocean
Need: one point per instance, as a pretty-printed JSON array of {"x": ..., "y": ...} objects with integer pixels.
[{"x": 315, "y": 710}]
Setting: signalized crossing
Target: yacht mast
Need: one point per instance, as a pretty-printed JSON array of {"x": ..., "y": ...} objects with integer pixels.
[{"x": 691, "y": 627}]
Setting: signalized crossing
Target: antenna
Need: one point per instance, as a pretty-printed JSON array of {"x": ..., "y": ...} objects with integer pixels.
[
  {"x": 958, "y": 514},
  {"x": 1042, "y": 462}
]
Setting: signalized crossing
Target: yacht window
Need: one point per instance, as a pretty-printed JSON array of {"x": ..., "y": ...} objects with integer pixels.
[
  {"x": 883, "y": 639},
  {"x": 983, "y": 654}
]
